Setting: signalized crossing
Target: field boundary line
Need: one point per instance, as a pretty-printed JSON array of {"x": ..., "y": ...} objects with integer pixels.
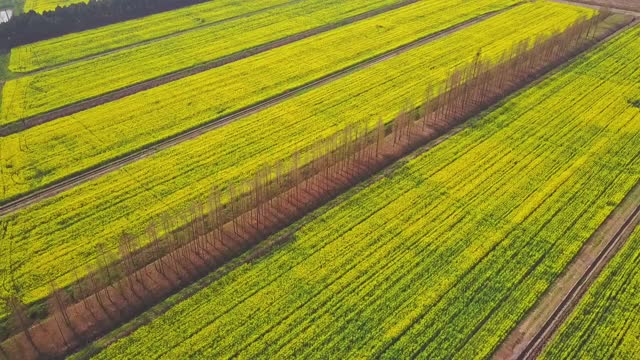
[
  {"x": 94, "y": 101},
  {"x": 111, "y": 165},
  {"x": 148, "y": 41},
  {"x": 593, "y": 5}
]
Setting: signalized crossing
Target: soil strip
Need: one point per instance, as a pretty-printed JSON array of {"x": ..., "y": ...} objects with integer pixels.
[
  {"x": 476, "y": 88},
  {"x": 625, "y": 7}
]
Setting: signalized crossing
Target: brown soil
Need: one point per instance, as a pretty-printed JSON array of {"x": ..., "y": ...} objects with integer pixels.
[{"x": 629, "y": 7}]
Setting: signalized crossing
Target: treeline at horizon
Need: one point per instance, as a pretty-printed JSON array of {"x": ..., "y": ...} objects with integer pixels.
[{"x": 31, "y": 26}]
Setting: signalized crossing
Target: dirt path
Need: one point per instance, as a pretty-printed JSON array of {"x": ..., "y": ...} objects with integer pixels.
[
  {"x": 164, "y": 79},
  {"x": 144, "y": 42},
  {"x": 117, "y": 163},
  {"x": 626, "y": 7},
  {"x": 528, "y": 339}
]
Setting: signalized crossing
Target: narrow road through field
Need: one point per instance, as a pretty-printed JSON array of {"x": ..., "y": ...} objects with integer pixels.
[
  {"x": 115, "y": 164},
  {"x": 164, "y": 79},
  {"x": 528, "y": 339},
  {"x": 593, "y": 5}
]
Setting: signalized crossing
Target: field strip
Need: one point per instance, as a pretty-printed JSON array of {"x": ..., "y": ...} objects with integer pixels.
[
  {"x": 595, "y": 6},
  {"x": 188, "y": 54},
  {"x": 56, "y": 230},
  {"x": 50, "y": 54},
  {"x": 439, "y": 258},
  {"x": 605, "y": 322},
  {"x": 528, "y": 340},
  {"x": 70, "y": 180},
  {"x": 328, "y": 183}
]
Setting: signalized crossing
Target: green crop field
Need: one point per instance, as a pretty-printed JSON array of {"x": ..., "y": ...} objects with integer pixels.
[
  {"x": 59, "y": 234},
  {"x": 118, "y": 127},
  {"x": 44, "y": 5},
  {"x": 74, "y": 46},
  {"x": 442, "y": 257},
  {"x": 44, "y": 91},
  {"x": 606, "y": 323}
]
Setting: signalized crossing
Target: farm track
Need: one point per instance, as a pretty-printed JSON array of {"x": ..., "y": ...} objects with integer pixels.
[
  {"x": 144, "y": 42},
  {"x": 555, "y": 316},
  {"x": 71, "y": 109},
  {"x": 117, "y": 163},
  {"x": 594, "y": 5}
]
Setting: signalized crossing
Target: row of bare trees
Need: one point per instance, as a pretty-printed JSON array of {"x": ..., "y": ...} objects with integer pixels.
[{"x": 236, "y": 216}]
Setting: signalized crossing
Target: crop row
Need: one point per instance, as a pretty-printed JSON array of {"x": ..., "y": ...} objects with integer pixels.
[
  {"x": 78, "y": 45},
  {"x": 606, "y": 323},
  {"x": 45, "y": 5},
  {"x": 44, "y": 91},
  {"x": 442, "y": 257},
  {"x": 62, "y": 231},
  {"x": 71, "y": 144}
]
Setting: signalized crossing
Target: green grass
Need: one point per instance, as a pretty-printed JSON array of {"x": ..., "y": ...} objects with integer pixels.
[
  {"x": 78, "y": 142},
  {"x": 5, "y": 73},
  {"x": 15, "y": 5},
  {"x": 57, "y": 235},
  {"x": 78, "y": 45},
  {"x": 51, "y": 89},
  {"x": 6, "y": 4},
  {"x": 606, "y": 323},
  {"x": 444, "y": 256}
]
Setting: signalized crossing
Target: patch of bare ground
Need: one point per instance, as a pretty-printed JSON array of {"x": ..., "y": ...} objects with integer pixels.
[{"x": 629, "y": 7}]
